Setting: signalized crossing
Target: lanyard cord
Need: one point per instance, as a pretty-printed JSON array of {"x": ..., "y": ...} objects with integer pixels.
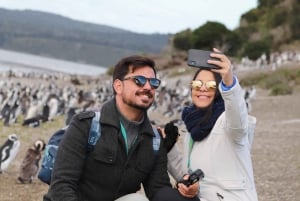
[
  {"x": 125, "y": 137},
  {"x": 123, "y": 131}
]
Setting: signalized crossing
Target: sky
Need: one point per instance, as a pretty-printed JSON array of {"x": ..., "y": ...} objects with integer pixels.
[{"x": 143, "y": 16}]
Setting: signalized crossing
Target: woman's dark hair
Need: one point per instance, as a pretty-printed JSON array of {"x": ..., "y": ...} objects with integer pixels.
[
  {"x": 209, "y": 109},
  {"x": 129, "y": 64}
]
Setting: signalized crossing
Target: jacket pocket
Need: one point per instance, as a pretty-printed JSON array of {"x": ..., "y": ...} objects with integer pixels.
[
  {"x": 145, "y": 160},
  {"x": 233, "y": 184},
  {"x": 105, "y": 153}
]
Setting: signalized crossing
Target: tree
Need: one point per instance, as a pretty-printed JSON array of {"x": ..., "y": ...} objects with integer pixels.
[
  {"x": 211, "y": 34},
  {"x": 255, "y": 49},
  {"x": 183, "y": 40}
]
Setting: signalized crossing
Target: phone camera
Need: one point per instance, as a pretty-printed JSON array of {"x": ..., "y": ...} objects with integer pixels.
[{"x": 192, "y": 63}]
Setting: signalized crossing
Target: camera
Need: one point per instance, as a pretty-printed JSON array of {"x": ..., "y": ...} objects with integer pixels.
[
  {"x": 193, "y": 178},
  {"x": 192, "y": 63}
]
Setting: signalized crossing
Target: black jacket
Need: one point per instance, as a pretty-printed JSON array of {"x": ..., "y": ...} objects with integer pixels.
[{"x": 106, "y": 173}]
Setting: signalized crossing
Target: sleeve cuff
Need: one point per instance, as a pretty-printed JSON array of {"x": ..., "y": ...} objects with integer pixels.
[{"x": 227, "y": 88}]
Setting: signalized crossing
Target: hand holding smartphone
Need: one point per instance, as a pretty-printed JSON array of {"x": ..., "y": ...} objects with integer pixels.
[{"x": 198, "y": 59}]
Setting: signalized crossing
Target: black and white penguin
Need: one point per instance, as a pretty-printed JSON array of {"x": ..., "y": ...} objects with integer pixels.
[
  {"x": 30, "y": 163},
  {"x": 8, "y": 151}
]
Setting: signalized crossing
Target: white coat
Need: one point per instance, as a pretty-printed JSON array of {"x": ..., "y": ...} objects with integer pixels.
[{"x": 224, "y": 156}]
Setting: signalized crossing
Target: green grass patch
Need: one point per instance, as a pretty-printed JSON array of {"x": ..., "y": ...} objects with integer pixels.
[{"x": 279, "y": 82}]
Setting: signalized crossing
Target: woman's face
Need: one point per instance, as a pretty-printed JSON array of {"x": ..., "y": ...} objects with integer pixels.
[{"x": 203, "y": 89}]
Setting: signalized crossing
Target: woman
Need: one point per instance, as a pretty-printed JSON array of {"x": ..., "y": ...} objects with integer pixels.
[{"x": 221, "y": 134}]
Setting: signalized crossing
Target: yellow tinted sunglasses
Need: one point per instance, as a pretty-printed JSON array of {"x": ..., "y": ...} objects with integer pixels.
[{"x": 197, "y": 84}]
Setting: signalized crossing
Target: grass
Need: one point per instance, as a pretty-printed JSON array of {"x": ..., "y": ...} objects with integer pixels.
[{"x": 279, "y": 82}]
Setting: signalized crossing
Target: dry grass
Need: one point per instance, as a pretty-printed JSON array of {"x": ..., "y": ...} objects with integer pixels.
[{"x": 10, "y": 189}]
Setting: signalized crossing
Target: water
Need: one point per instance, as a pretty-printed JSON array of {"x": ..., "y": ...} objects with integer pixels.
[{"x": 23, "y": 62}]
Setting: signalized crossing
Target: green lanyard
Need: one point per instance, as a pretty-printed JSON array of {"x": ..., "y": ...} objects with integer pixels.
[
  {"x": 191, "y": 144},
  {"x": 123, "y": 131}
]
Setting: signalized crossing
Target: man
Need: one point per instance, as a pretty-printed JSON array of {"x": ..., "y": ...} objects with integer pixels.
[{"x": 123, "y": 157}]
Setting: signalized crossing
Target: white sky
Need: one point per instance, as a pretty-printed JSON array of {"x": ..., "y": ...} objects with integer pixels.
[{"x": 143, "y": 16}]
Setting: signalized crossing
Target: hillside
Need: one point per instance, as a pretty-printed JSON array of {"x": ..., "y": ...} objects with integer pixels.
[
  {"x": 274, "y": 22},
  {"x": 273, "y": 26},
  {"x": 63, "y": 38}
]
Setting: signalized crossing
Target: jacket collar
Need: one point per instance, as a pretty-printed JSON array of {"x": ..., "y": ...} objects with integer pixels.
[{"x": 111, "y": 118}]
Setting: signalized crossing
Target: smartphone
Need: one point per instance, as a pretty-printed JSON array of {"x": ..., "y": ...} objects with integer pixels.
[{"x": 198, "y": 59}]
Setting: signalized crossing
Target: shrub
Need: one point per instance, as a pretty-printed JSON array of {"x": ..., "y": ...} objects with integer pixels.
[
  {"x": 279, "y": 17},
  {"x": 253, "y": 79},
  {"x": 255, "y": 49},
  {"x": 295, "y": 23},
  {"x": 233, "y": 43},
  {"x": 273, "y": 80},
  {"x": 251, "y": 16},
  {"x": 281, "y": 89},
  {"x": 110, "y": 70},
  {"x": 297, "y": 79},
  {"x": 211, "y": 34},
  {"x": 183, "y": 40},
  {"x": 268, "y": 3}
]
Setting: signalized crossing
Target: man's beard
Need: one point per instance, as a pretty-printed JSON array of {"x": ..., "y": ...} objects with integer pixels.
[
  {"x": 142, "y": 108},
  {"x": 139, "y": 107}
]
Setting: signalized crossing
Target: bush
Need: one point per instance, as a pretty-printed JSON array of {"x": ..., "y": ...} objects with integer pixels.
[
  {"x": 279, "y": 82},
  {"x": 251, "y": 16},
  {"x": 211, "y": 34},
  {"x": 295, "y": 23},
  {"x": 110, "y": 70},
  {"x": 233, "y": 43},
  {"x": 253, "y": 79},
  {"x": 183, "y": 40},
  {"x": 255, "y": 49},
  {"x": 275, "y": 79},
  {"x": 281, "y": 89},
  {"x": 279, "y": 17},
  {"x": 268, "y": 3},
  {"x": 297, "y": 79}
]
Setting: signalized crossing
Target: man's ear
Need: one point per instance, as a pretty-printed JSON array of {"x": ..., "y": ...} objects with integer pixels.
[{"x": 118, "y": 85}]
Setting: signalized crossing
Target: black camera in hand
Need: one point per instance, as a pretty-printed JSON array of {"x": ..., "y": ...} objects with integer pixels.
[{"x": 193, "y": 178}]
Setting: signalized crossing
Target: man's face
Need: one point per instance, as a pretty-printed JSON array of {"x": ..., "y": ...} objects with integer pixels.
[{"x": 132, "y": 93}]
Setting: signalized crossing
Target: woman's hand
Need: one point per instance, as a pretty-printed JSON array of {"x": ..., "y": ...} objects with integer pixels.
[
  {"x": 225, "y": 66},
  {"x": 188, "y": 191},
  {"x": 169, "y": 134}
]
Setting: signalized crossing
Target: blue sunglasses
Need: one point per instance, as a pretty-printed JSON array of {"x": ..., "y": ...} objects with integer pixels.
[{"x": 141, "y": 81}]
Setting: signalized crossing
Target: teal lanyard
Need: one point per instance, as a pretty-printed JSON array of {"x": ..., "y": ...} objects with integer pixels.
[
  {"x": 123, "y": 131},
  {"x": 191, "y": 144}
]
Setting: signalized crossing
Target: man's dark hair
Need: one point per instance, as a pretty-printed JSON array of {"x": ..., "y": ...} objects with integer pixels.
[{"x": 129, "y": 64}]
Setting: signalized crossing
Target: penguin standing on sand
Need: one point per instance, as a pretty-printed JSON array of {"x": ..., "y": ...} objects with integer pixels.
[
  {"x": 30, "y": 164},
  {"x": 8, "y": 151}
]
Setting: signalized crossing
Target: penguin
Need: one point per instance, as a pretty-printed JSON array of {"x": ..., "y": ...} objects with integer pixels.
[
  {"x": 8, "y": 151},
  {"x": 30, "y": 164}
]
